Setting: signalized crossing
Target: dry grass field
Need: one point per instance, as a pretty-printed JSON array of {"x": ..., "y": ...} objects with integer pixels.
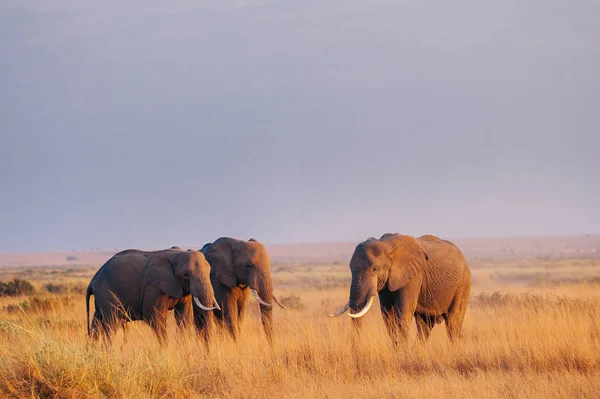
[{"x": 532, "y": 330}]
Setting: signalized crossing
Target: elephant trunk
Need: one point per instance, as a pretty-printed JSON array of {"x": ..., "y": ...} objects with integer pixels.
[
  {"x": 204, "y": 298},
  {"x": 362, "y": 292},
  {"x": 264, "y": 287},
  {"x": 205, "y": 325},
  {"x": 203, "y": 293}
]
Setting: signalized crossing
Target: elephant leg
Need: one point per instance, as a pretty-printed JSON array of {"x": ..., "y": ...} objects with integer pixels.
[
  {"x": 101, "y": 328},
  {"x": 124, "y": 326},
  {"x": 229, "y": 300},
  {"x": 105, "y": 321},
  {"x": 204, "y": 323},
  {"x": 184, "y": 313},
  {"x": 242, "y": 302},
  {"x": 154, "y": 312},
  {"x": 230, "y": 314},
  {"x": 405, "y": 305},
  {"x": 458, "y": 308},
  {"x": 424, "y": 325},
  {"x": 388, "y": 312},
  {"x": 157, "y": 320},
  {"x": 107, "y": 332},
  {"x": 96, "y": 325}
]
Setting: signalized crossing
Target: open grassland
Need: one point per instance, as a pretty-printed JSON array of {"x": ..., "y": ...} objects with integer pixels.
[{"x": 532, "y": 330}]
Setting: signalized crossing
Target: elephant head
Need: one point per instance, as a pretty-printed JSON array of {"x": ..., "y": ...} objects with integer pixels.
[
  {"x": 390, "y": 262},
  {"x": 237, "y": 263},
  {"x": 179, "y": 274}
]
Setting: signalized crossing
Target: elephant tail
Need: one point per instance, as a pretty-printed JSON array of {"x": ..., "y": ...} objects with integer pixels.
[{"x": 88, "y": 293}]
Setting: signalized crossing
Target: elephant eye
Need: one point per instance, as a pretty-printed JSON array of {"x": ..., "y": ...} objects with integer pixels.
[
  {"x": 375, "y": 268},
  {"x": 249, "y": 266}
]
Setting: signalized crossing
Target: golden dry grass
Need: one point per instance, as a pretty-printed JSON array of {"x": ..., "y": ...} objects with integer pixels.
[{"x": 522, "y": 338}]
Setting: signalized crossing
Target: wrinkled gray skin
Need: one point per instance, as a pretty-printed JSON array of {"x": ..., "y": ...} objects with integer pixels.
[
  {"x": 424, "y": 277},
  {"x": 237, "y": 267},
  {"x": 140, "y": 285}
]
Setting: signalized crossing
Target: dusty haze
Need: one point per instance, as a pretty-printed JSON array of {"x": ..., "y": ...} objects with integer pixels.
[
  {"x": 340, "y": 252},
  {"x": 147, "y": 124}
]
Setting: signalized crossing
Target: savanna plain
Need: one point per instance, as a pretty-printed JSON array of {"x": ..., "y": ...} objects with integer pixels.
[{"x": 532, "y": 329}]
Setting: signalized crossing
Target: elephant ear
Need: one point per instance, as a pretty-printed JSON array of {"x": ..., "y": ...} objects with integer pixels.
[
  {"x": 407, "y": 257},
  {"x": 206, "y": 247},
  {"x": 220, "y": 258},
  {"x": 160, "y": 273}
]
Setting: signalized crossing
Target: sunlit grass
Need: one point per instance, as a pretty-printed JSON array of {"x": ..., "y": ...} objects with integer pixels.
[{"x": 517, "y": 344}]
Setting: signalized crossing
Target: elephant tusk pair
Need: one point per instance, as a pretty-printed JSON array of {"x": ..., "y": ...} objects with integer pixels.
[
  {"x": 201, "y": 306},
  {"x": 364, "y": 310},
  {"x": 355, "y": 315},
  {"x": 258, "y": 299}
]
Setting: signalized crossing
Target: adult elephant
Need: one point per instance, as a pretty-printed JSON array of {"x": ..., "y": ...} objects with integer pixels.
[
  {"x": 424, "y": 277},
  {"x": 238, "y": 269},
  {"x": 140, "y": 285}
]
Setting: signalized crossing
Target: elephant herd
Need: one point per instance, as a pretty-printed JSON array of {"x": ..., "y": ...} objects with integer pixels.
[{"x": 426, "y": 278}]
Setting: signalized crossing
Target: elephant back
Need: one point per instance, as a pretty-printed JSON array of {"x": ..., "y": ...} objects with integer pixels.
[
  {"x": 441, "y": 251},
  {"x": 206, "y": 247},
  {"x": 119, "y": 282}
]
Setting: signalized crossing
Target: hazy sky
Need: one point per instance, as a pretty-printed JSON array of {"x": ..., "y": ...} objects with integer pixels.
[{"x": 153, "y": 123}]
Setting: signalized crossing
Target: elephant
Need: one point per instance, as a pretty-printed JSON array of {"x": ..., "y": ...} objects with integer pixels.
[
  {"x": 142, "y": 285},
  {"x": 239, "y": 268},
  {"x": 424, "y": 277}
]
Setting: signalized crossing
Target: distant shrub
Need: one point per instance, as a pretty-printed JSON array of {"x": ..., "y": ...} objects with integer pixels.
[
  {"x": 327, "y": 283},
  {"x": 78, "y": 289},
  {"x": 56, "y": 288},
  {"x": 17, "y": 307},
  {"x": 567, "y": 281},
  {"x": 37, "y": 305},
  {"x": 292, "y": 302},
  {"x": 16, "y": 287},
  {"x": 531, "y": 301}
]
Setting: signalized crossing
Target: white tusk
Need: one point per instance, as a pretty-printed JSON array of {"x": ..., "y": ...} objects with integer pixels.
[
  {"x": 341, "y": 311},
  {"x": 200, "y": 305},
  {"x": 255, "y": 294},
  {"x": 216, "y": 303},
  {"x": 365, "y": 309},
  {"x": 279, "y": 303}
]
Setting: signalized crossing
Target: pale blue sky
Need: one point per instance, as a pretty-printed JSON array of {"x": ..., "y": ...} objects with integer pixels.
[{"x": 150, "y": 124}]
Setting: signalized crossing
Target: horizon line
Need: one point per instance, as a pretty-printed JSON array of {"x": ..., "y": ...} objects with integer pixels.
[{"x": 515, "y": 237}]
